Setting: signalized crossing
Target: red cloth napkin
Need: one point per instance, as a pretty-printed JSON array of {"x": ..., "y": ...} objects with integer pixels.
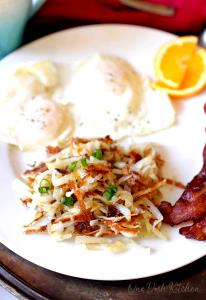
[{"x": 190, "y": 15}]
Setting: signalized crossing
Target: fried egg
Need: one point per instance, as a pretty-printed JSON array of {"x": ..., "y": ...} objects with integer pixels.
[
  {"x": 108, "y": 96},
  {"x": 29, "y": 116},
  {"x": 104, "y": 95}
]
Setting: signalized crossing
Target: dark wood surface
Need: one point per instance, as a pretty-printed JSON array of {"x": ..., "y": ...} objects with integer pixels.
[
  {"x": 33, "y": 282},
  {"x": 28, "y": 281}
]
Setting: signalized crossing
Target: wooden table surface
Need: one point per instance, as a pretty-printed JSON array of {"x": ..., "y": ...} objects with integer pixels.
[
  {"x": 32, "y": 282},
  {"x": 28, "y": 281}
]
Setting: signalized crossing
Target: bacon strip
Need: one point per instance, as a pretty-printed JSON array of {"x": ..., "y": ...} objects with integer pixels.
[
  {"x": 197, "y": 231},
  {"x": 191, "y": 206},
  {"x": 192, "y": 203}
]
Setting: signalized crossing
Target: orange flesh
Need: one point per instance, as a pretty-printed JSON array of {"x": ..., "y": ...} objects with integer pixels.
[
  {"x": 175, "y": 61},
  {"x": 193, "y": 73},
  {"x": 194, "y": 79}
]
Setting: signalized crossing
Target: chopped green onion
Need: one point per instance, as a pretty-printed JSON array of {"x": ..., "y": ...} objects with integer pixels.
[
  {"x": 44, "y": 186},
  {"x": 68, "y": 201},
  {"x": 43, "y": 189},
  {"x": 84, "y": 162},
  {"x": 73, "y": 166},
  {"x": 110, "y": 192},
  {"x": 107, "y": 195},
  {"x": 98, "y": 154}
]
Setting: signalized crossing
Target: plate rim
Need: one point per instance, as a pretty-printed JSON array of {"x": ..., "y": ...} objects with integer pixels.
[{"x": 84, "y": 27}]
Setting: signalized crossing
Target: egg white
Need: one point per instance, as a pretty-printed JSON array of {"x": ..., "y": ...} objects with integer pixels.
[
  {"x": 108, "y": 96},
  {"x": 105, "y": 96},
  {"x": 29, "y": 116}
]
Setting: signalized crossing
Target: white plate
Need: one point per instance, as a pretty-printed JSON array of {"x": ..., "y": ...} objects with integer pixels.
[{"x": 182, "y": 144}]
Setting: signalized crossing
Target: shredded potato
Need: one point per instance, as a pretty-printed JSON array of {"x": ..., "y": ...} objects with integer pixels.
[{"x": 93, "y": 190}]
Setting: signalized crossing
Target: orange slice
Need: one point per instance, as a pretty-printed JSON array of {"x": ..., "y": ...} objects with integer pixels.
[
  {"x": 194, "y": 79},
  {"x": 172, "y": 60}
]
